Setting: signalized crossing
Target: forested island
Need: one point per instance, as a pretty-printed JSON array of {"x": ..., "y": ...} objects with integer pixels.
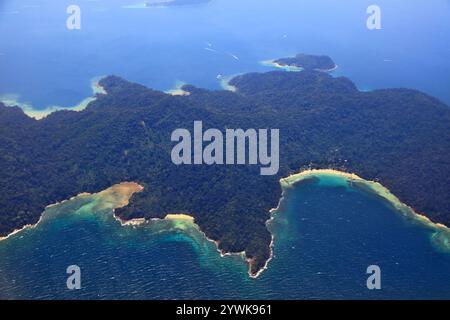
[
  {"x": 398, "y": 137},
  {"x": 308, "y": 62}
]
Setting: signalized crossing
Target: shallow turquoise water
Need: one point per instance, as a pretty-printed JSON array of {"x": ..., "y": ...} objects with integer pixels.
[{"x": 325, "y": 238}]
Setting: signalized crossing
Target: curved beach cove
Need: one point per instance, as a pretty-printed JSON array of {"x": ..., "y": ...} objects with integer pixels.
[
  {"x": 328, "y": 228},
  {"x": 440, "y": 233},
  {"x": 29, "y": 110}
]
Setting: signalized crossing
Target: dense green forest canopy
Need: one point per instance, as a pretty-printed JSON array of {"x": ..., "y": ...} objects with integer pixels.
[{"x": 399, "y": 137}]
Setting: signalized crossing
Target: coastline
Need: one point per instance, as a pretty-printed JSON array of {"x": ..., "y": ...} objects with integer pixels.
[
  {"x": 290, "y": 68},
  {"x": 289, "y": 182},
  {"x": 16, "y": 231},
  {"x": 190, "y": 220},
  {"x": 225, "y": 82},
  {"x": 272, "y": 63},
  {"x": 32, "y": 226},
  {"x": 14, "y": 100},
  {"x": 114, "y": 190},
  {"x": 286, "y": 184},
  {"x": 119, "y": 195},
  {"x": 328, "y": 70},
  {"x": 177, "y": 90},
  {"x": 180, "y": 217},
  {"x": 373, "y": 186}
]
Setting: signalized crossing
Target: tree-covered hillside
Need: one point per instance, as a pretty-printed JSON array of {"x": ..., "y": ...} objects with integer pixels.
[{"x": 398, "y": 136}]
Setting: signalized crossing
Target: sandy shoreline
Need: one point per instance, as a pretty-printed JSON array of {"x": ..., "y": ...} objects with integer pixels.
[
  {"x": 127, "y": 189},
  {"x": 178, "y": 90},
  {"x": 186, "y": 218},
  {"x": 290, "y": 181},
  {"x": 273, "y": 64},
  {"x": 289, "y": 68},
  {"x": 13, "y": 100},
  {"x": 180, "y": 216},
  {"x": 119, "y": 195},
  {"x": 31, "y": 226},
  {"x": 225, "y": 82},
  {"x": 16, "y": 231},
  {"x": 328, "y": 70},
  {"x": 374, "y": 187}
]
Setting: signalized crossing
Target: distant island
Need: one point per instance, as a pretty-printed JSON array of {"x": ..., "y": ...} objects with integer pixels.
[
  {"x": 308, "y": 62},
  {"x": 159, "y": 3},
  {"x": 397, "y": 137}
]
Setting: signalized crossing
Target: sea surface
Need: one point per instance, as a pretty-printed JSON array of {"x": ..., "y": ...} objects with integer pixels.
[
  {"x": 326, "y": 233},
  {"x": 44, "y": 64}
]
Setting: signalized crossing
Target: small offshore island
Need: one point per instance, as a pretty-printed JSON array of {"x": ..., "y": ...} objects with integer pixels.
[
  {"x": 397, "y": 138},
  {"x": 165, "y": 3},
  {"x": 304, "y": 62}
]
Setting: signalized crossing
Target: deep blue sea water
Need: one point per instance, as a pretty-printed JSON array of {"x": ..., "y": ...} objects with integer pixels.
[
  {"x": 44, "y": 64},
  {"x": 326, "y": 236}
]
